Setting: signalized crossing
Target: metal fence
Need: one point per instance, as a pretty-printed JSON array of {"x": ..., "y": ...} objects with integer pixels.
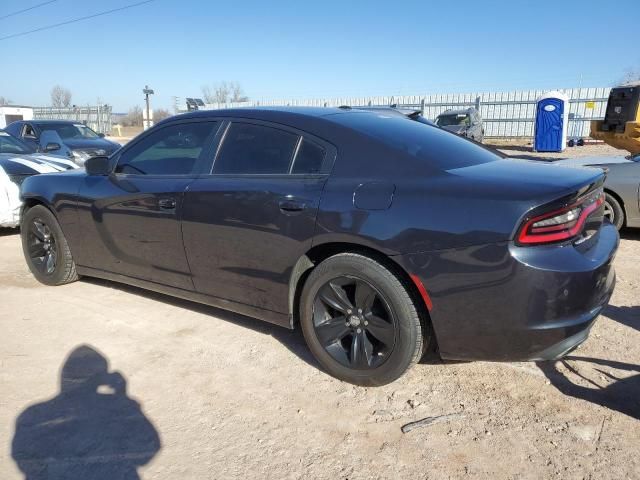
[
  {"x": 505, "y": 114},
  {"x": 97, "y": 118}
]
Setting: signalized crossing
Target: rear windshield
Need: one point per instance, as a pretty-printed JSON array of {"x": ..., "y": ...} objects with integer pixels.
[
  {"x": 453, "y": 120},
  {"x": 437, "y": 147}
]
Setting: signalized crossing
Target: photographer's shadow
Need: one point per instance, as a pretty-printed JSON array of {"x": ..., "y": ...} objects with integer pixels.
[{"x": 90, "y": 430}]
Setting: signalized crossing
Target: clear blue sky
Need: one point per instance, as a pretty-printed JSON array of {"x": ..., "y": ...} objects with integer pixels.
[{"x": 298, "y": 49}]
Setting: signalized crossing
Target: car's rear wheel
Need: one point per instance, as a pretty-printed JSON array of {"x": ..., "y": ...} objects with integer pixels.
[
  {"x": 613, "y": 211},
  {"x": 360, "y": 321},
  {"x": 45, "y": 248}
]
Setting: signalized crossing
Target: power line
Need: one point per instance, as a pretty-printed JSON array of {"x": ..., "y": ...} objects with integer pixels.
[
  {"x": 79, "y": 19},
  {"x": 27, "y": 9}
]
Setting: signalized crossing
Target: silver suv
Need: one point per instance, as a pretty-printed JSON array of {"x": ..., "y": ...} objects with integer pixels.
[{"x": 466, "y": 123}]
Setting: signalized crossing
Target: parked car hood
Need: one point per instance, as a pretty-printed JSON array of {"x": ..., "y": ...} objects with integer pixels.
[
  {"x": 92, "y": 144},
  {"x": 32, "y": 164}
]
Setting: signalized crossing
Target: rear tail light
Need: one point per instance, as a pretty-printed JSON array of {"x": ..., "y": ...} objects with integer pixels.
[{"x": 560, "y": 225}]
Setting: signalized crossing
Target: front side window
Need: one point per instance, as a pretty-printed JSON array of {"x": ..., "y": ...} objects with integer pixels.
[
  {"x": 255, "y": 149},
  {"x": 29, "y": 131},
  {"x": 173, "y": 150},
  {"x": 9, "y": 144}
]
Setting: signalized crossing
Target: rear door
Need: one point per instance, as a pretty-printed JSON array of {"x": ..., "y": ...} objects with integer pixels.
[
  {"x": 246, "y": 223},
  {"x": 131, "y": 218}
]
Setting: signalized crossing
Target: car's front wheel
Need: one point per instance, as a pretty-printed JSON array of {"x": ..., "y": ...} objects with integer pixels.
[
  {"x": 45, "y": 248},
  {"x": 360, "y": 321}
]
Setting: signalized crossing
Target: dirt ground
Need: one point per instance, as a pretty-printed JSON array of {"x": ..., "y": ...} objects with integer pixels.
[
  {"x": 193, "y": 392},
  {"x": 523, "y": 149}
]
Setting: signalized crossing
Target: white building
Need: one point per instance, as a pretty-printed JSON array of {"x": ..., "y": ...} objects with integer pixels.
[{"x": 13, "y": 113}]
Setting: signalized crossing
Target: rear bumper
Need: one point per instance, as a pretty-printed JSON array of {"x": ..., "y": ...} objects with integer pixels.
[{"x": 508, "y": 303}]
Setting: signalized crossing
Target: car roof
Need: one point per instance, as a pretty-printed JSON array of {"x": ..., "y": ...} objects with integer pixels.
[
  {"x": 271, "y": 112},
  {"x": 47, "y": 122}
]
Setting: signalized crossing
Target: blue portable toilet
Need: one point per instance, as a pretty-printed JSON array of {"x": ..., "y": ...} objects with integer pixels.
[{"x": 552, "y": 121}]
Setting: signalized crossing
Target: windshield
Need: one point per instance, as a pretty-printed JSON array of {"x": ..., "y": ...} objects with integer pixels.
[
  {"x": 9, "y": 144},
  {"x": 451, "y": 120},
  {"x": 435, "y": 146},
  {"x": 68, "y": 130}
]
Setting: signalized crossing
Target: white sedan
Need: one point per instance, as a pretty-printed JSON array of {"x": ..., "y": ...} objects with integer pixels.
[{"x": 17, "y": 162}]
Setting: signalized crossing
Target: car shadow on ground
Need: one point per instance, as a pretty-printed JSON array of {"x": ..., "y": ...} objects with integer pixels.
[
  {"x": 611, "y": 389},
  {"x": 518, "y": 148},
  {"x": 630, "y": 233},
  {"x": 6, "y": 232},
  {"x": 292, "y": 339},
  {"x": 90, "y": 430},
  {"x": 629, "y": 316}
]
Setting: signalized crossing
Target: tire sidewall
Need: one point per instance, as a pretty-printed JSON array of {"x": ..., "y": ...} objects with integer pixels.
[
  {"x": 617, "y": 211},
  {"x": 406, "y": 320},
  {"x": 45, "y": 215}
]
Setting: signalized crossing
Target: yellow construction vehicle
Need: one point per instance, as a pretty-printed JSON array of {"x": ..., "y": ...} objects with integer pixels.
[{"x": 621, "y": 125}]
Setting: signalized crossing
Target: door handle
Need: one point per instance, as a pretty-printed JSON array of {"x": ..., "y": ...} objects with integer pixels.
[
  {"x": 291, "y": 205},
  {"x": 167, "y": 203}
]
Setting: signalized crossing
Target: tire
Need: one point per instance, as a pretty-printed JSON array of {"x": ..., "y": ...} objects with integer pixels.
[
  {"x": 614, "y": 211},
  {"x": 390, "y": 324},
  {"x": 41, "y": 234}
]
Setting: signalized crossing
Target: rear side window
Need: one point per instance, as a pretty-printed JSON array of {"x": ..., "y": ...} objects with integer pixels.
[
  {"x": 255, "y": 149},
  {"x": 309, "y": 158},
  {"x": 172, "y": 150}
]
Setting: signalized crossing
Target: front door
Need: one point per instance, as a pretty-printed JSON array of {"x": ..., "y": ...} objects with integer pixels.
[
  {"x": 131, "y": 218},
  {"x": 246, "y": 224}
]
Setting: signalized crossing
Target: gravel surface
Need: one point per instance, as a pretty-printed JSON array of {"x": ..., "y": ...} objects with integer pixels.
[
  {"x": 192, "y": 392},
  {"x": 524, "y": 150}
]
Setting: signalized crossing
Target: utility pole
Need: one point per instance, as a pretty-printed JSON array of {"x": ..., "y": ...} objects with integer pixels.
[{"x": 147, "y": 91}]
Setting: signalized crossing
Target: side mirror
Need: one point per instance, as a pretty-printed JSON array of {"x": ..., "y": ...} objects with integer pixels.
[
  {"x": 51, "y": 147},
  {"x": 97, "y": 166},
  {"x": 101, "y": 135}
]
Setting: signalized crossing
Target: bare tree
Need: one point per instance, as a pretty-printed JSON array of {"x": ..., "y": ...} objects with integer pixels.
[
  {"x": 224, "y": 92},
  {"x": 237, "y": 94},
  {"x": 631, "y": 75},
  {"x": 60, "y": 97},
  {"x": 160, "y": 114},
  {"x": 4, "y": 101},
  {"x": 133, "y": 118}
]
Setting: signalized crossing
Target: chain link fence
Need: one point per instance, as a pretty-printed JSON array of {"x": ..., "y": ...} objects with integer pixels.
[{"x": 505, "y": 114}]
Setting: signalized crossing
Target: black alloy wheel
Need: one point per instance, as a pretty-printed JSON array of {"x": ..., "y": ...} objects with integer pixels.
[
  {"x": 42, "y": 247},
  {"x": 45, "y": 247},
  {"x": 361, "y": 319},
  {"x": 354, "y": 323}
]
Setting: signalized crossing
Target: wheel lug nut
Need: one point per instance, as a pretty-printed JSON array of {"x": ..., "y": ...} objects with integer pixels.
[
  {"x": 359, "y": 330},
  {"x": 349, "y": 312},
  {"x": 366, "y": 323}
]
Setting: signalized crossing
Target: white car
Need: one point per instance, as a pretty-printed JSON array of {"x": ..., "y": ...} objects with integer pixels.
[{"x": 17, "y": 162}]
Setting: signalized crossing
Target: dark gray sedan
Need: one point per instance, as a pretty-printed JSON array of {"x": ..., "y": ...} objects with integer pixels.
[{"x": 622, "y": 186}]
